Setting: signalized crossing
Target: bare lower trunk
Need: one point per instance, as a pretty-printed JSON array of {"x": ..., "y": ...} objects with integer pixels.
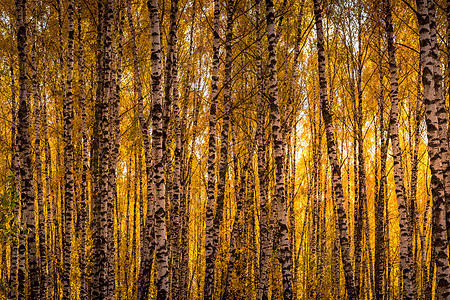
[{"x": 50, "y": 200}]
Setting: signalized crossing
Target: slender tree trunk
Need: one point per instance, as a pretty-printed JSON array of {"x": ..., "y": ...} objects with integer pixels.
[
  {"x": 108, "y": 136},
  {"x": 292, "y": 219},
  {"x": 162, "y": 256},
  {"x": 427, "y": 283},
  {"x": 147, "y": 232},
  {"x": 414, "y": 215},
  {"x": 236, "y": 231},
  {"x": 370, "y": 268},
  {"x": 137, "y": 201},
  {"x": 223, "y": 166},
  {"x": 223, "y": 158},
  {"x": 172, "y": 195},
  {"x": 27, "y": 238},
  {"x": 362, "y": 196},
  {"x": 82, "y": 214},
  {"x": 317, "y": 198},
  {"x": 115, "y": 103},
  {"x": 38, "y": 178},
  {"x": 335, "y": 167},
  {"x": 186, "y": 165},
  {"x": 176, "y": 187},
  {"x": 50, "y": 201},
  {"x": 68, "y": 157},
  {"x": 321, "y": 236},
  {"x": 447, "y": 202},
  {"x": 15, "y": 168},
  {"x": 58, "y": 218},
  {"x": 357, "y": 209},
  {"x": 95, "y": 287},
  {"x": 406, "y": 255},
  {"x": 211, "y": 244},
  {"x": 285, "y": 255},
  {"x": 265, "y": 232},
  {"x": 379, "y": 205},
  {"x": 336, "y": 251}
]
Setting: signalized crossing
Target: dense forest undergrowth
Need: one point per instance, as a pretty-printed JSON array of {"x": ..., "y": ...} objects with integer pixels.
[{"x": 226, "y": 149}]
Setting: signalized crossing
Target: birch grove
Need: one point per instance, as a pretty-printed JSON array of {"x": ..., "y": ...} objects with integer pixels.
[{"x": 238, "y": 149}]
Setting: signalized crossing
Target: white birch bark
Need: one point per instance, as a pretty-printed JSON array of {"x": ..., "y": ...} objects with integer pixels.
[
  {"x": 211, "y": 245},
  {"x": 433, "y": 109},
  {"x": 332, "y": 156},
  {"x": 282, "y": 237},
  {"x": 27, "y": 237},
  {"x": 162, "y": 257},
  {"x": 68, "y": 157}
]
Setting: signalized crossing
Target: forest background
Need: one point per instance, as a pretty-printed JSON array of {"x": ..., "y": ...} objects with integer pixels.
[{"x": 234, "y": 149}]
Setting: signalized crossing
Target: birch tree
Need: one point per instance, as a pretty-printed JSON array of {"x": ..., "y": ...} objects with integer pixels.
[
  {"x": 162, "y": 257},
  {"x": 27, "y": 237},
  {"x": 335, "y": 168}
]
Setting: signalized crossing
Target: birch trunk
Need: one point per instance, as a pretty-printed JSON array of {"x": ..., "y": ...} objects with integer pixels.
[
  {"x": 38, "y": 178},
  {"x": 15, "y": 168},
  {"x": 332, "y": 156},
  {"x": 285, "y": 255},
  {"x": 186, "y": 163},
  {"x": 441, "y": 105},
  {"x": 176, "y": 186},
  {"x": 211, "y": 245},
  {"x": 115, "y": 103},
  {"x": 236, "y": 232},
  {"x": 223, "y": 159},
  {"x": 146, "y": 232},
  {"x": 407, "y": 267},
  {"x": 50, "y": 200},
  {"x": 102, "y": 288},
  {"x": 362, "y": 197},
  {"x": 27, "y": 238},
  {"x": 68, "y": 158},
  {"x": 108, "y": 135},
  {"x": 379, "y": 205},
  {"x": 414, "y": 215},
  {"x": 162, "y": 257},
  {"x": 264, "y": 230},
  {"x": 447, "y": 201},
  {"x": 82, "y": 214},
  {"x": 433, "y": 107},
  {"x": 58, "y": 218}
]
